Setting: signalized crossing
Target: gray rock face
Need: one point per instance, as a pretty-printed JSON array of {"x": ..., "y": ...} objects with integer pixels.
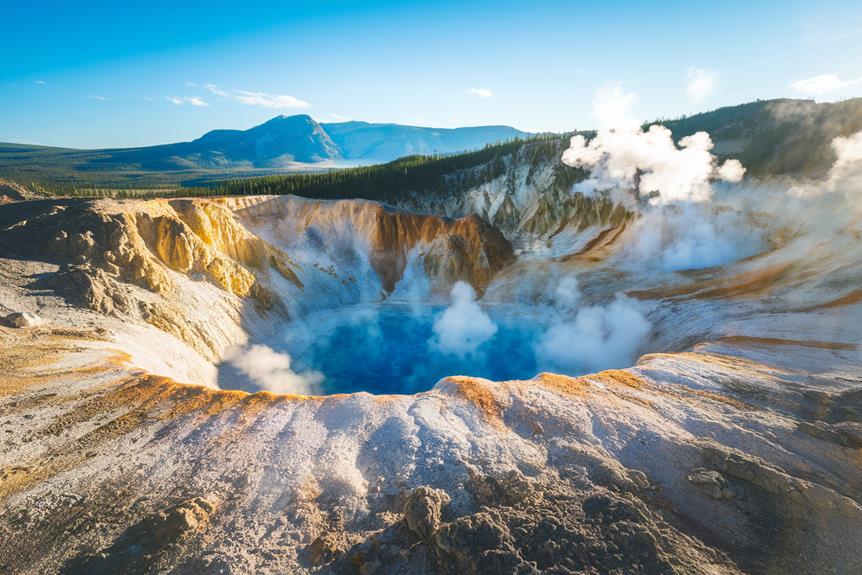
[{"x": 851, "y": 432}]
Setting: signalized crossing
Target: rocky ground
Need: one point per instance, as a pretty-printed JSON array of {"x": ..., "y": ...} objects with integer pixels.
[{"x": 735, "y": 447}]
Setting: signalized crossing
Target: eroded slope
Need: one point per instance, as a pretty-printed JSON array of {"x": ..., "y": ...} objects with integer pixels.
[{"x": 736, "y": 449}]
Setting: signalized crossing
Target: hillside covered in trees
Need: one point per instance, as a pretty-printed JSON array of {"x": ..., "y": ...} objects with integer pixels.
[{"x": 770, "y": 137}]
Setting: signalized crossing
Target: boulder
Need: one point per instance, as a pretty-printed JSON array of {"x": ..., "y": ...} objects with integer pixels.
[
  {"x": 711, "y": 482},
  {"x": 423, "y": 510},
  {"x": 23, "y": 319}
]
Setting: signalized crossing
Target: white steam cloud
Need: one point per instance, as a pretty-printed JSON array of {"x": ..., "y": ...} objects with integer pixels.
[
  {"x": 623, "y": 159},
  {"x": 270, "y": 370},
  {"x": 463, "y": 326},
  {"x": 692, "y": 236},
  {"x": 845, "y": 175},
  {"x": 629, "y": 163},
  {"x": 846, "y": 172},
  {"x": 567, "y": 294},
  {"x": 670, "y": 184},
  {"x": 598, "y": 337},
  {"x": 731, "y": 171}
]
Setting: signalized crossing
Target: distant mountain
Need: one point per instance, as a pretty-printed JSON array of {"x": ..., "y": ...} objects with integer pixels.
[
  {"x": 281, "y": 143},
  {"x": 277, "y": 143},
  {"x": 386, "y": 142},
  {"x": 284, "y": 138}
]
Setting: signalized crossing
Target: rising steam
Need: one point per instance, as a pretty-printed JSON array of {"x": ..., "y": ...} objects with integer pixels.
[
  {"x": 598, "y": 338},
  {"x": 631, "y": 163},
  {"x": 463, "y": 326},
  {"x": 846, "y": 172},
  {"x": 270, "y": 370},
  {"x": 669, "y": 185}
]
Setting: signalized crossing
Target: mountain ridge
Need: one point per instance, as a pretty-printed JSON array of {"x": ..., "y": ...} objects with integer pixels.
[{"x": 282, "y": 142}]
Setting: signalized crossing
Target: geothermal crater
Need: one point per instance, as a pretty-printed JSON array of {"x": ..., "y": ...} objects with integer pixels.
[
  {"x": 401, "y": 300},
  {"x": 562, "y": 379}
]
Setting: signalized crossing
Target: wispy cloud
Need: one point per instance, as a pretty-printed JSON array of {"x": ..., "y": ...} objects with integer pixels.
[
  {"x": 40, "y": 82},
  {"x": 268, "y": 100},
  {"x": 190, "y": 100},
  {"x": 823, "y": 84},
  {"x": 217, "y": 91},
  {"x": 835, "y": 38},
  {"x": 191, "y": 84},
  {"x": 481, "y": 92},
  {"x": 96, "y": 97},
  {"x": 249, "y": 98},
  {"x": 700, "y": 83}
]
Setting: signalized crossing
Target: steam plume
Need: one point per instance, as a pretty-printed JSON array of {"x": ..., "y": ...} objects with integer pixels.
[
  {"x": 463, "y": 326},
  {"x": 670, "y": 185},
  {"x": 631, "y": 164},
  {"x": 271, "y": 371},
  {"x": 598, "y": 338}
]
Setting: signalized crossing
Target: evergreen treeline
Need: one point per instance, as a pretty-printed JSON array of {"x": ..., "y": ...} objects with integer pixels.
[
  {"x": 382, "y": 182},
  {"x": 776, "y": 136},
  {"x": 388, "y": 182},
  {"x": 85, "y": 190}
]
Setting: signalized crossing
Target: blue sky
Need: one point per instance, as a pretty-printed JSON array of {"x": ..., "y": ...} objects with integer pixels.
[{"x": 103, "y": 74}]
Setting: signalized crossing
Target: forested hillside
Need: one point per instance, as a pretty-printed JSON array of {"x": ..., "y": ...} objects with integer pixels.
[{"x": 770, "y": 137}]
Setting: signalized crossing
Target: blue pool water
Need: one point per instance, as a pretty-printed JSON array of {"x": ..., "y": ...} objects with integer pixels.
[{"x": 391, "y": 348}]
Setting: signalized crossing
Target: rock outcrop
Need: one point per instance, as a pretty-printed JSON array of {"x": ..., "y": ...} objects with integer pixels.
[
  {"x": 13, "y": 192},
  {"x": 23, "y": 319},
  {"x": 467, "y": 249},
  {"x": 424, "y": 510},
  {"x": 531, "y": 202},
  {"x": 106, "y": 249}
]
